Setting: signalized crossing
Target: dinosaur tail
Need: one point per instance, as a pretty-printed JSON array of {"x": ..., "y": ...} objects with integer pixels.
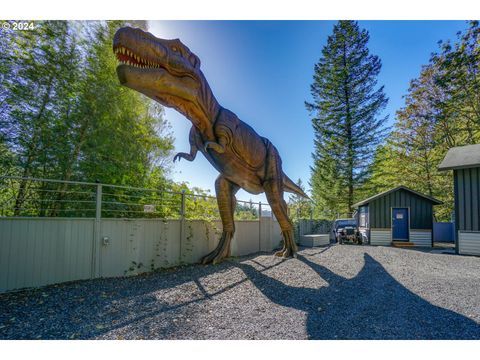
[{"x": 290, "y": 186}]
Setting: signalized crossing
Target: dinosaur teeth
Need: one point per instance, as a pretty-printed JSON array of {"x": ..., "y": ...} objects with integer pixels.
[{"x": 134, "y": 60}]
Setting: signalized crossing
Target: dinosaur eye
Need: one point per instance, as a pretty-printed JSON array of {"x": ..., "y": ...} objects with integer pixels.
[{"x": 174, "y": 48}]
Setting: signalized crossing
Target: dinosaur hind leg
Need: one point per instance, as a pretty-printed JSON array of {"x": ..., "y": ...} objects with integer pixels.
[
  {"x": 279, "y": 207},
  {"x": 274, "y": 191},
  {"x": 226, "y": 201}
]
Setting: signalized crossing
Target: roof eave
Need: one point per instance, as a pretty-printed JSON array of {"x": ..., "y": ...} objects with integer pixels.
[
  {"x": 367, "y": 201},
  {"x": 461, "y": 167}
]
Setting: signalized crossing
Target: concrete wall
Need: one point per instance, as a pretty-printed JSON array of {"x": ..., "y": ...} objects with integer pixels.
[{"x": 41, "y": 251}]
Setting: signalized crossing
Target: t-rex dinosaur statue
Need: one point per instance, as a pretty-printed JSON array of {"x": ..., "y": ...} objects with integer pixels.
[{"x": 168, "y": 72}]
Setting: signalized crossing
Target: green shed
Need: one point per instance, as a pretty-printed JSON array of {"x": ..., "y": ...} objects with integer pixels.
[
  {"x": 400, "y": 215},
  {"x": 465, "y": 163}
]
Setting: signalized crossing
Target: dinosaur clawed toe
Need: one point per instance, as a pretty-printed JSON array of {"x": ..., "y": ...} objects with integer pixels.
[
  {"x": 284, "y": 253},
  {"x": 289, "y": 247}
]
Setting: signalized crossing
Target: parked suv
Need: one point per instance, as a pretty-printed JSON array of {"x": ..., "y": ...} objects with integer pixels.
[{"x": 346, "y": 230}]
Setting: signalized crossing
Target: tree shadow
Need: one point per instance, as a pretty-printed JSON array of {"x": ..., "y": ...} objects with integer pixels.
[
  {"x": 372, "y": 305},
  {"x": 90, "y": 308}
]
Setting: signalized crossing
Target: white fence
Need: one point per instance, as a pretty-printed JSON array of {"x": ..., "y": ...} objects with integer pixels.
[{"x": 111, "y": 231}]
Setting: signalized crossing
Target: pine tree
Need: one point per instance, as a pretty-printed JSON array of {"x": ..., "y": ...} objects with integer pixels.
[{"x": 346, "y": 122}]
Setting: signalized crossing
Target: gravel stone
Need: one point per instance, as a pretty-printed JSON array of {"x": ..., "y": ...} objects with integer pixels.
[{"x": 335, "y": 292}]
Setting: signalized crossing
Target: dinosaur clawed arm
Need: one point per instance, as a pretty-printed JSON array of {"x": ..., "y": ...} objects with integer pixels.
[
  {"x": 192, "y": 139},
  {"x": 182, "y": 155}
]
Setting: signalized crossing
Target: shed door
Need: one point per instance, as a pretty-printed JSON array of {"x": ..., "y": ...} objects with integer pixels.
[{"x": 400, "y": 224}]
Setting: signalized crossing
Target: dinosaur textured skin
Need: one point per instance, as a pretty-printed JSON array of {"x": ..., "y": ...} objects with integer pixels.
[{"x": 168, "y": 72}]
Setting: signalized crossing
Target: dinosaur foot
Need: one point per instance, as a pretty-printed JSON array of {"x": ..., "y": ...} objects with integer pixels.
[
  {"x": 222, "y": 250},
  {"x": 289, "y": 247},
  {"x": 284, "y": 253}
]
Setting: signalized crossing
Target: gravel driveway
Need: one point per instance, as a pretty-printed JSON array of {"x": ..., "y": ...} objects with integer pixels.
[{"x": 337, "y": 292}]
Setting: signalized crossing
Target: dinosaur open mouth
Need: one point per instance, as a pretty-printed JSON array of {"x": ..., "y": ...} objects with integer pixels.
[{"x": 128, "y": 57}]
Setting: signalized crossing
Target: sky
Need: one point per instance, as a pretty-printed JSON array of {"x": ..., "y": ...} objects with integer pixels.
[{"x": 262, "y": 71}]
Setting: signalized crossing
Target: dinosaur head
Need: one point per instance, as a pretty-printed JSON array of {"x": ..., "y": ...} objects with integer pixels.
[{"x": 166, "y": 71}]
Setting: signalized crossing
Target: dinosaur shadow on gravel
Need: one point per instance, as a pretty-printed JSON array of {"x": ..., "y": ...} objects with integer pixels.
[{"x": 372, "y": 305}]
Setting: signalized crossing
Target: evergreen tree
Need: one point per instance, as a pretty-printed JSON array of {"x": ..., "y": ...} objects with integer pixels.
[{"x": 346, "y": 121}]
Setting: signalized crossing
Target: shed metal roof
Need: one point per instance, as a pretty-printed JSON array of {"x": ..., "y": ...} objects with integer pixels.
[
  {"x": 401, "y": 187},
  {"x": 461, "y": 157}
]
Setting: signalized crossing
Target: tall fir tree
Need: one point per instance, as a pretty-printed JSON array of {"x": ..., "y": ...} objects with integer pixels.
[{"x": 348, "y": 127}]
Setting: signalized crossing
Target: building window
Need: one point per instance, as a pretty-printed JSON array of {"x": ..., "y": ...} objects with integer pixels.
[{"x": 363, "y": 217}]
